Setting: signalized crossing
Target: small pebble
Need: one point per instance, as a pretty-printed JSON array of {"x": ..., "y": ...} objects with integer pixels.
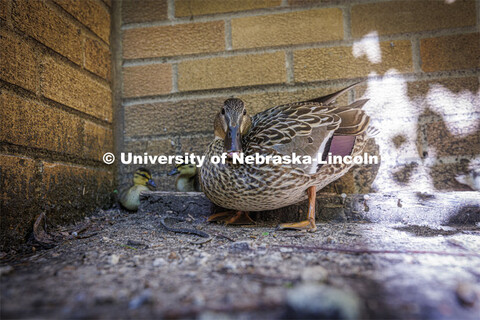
[
  {"x": 5, "y": 270},
  {"x": 467, "y": 294},
  {"x": 141, "y": 299},
  {"x": 314, "y": 274},
  {"x": 114, "y": 259},
  {"x": 158, "y": 262},
  {"x": 240, "y": 246},
  {"x": 330, "y": 240},
  {"x": 309, "y": 301}
]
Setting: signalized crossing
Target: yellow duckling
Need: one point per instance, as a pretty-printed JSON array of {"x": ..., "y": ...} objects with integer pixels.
[
  {"x": 188, "y": 180},
  {"x": 142, "y": 181}
]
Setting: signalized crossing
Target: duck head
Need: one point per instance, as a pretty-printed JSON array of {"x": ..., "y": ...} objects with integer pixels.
[
  {"x": 185, "y": 170},
  {"x": 231, "y": 123},
  {"x": 143, "y": 177}
]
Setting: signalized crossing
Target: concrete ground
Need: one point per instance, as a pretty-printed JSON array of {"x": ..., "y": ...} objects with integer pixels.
[{"x": 123, "y": 265}]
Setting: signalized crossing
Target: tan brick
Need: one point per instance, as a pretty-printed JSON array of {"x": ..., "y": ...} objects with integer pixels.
[
  {"x": 20, "y": 198},
  {"x": 185, "y": 8},
  {"x": 443, "y": 176},
  {"x": 346, "y": 184},
  {"x": 316, "y": 25},
  {"x": 144, "y": 10},
  {"x": 429, "y": 94},
  {"x": 307, "y": 2},
  {"x": 32, "y": 125},
  {"x": 75, "y": 191},
  {"x": 97, "y": 58},
  {"x": 447, "y": 143},
  {"x": 67, "y": 85},
  {"x": 245, "y": 70},
  {"x": 450, "y": 52},
  {"x": 261, "y": 101},
  {"x": 18, "y": 178},
  {"x": 197, "y": 144},
  {"x": 4, "y": 9},
  {"x": 411, "y": 16},
  {"x": 426, "y": 94},
  {"x": 97, "y": 140},
  {"x": 18, "y": 64},
  {"x": 174, "y": 40},
  {"x": 91, "y": 14},
  {"x": 147, "y": 80},
  {"x": 36, "y": 19},
  {"x": 193, "y": 115},
  {"x": 339, "y": 62},
  {"x": 161, "y": 147}
]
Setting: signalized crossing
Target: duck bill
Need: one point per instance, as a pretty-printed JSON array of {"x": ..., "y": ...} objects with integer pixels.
[
  {"x": 151, "y": 184},
  {"x": 173, "y": 172},
  {"x": 233, "y": 142}
]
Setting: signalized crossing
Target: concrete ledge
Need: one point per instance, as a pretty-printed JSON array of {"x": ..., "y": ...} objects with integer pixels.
[{"x": 444, "y": 208}]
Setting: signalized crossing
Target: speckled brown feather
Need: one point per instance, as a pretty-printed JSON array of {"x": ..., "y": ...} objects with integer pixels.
[{"x": 303, "y": 128}]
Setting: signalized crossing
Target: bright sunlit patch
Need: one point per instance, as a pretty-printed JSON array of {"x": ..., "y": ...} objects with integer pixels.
[
  {"x": 368, "y": 46},
  {"x": 456, "y": 109},
  {"x": 472, "y": 177},
  {"x": 394, "y": 114}
]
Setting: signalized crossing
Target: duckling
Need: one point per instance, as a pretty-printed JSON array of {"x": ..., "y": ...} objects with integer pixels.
[
  {"x": 142, "y": 181},
  {"x": 188, "y": 180}
]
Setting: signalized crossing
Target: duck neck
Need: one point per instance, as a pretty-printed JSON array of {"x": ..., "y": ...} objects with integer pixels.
[{"x": 185, "y": 183}]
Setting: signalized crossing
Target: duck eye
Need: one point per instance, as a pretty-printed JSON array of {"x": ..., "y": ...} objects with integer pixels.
[
  {"x": 244, "y": 111},
  {"x": 223, "y": 110}
]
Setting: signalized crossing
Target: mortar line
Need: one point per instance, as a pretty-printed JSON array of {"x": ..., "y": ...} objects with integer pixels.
[
  {"x": 289, "y": 65},
  {"x": 416, "y": 56},
  {"x": 70, "y": 18},
  {"x": 175, "y": 77},
  {"x": 294, "y": 47},
  {"x": 478, "y": 15},
  {"x": 160, "y": 137},
  {"x": 231, "y": 15},
  {"x": 117, "y": 85},
  {"x": 347, "y": 25},
  {"x": 32, "y": 97},
  {"x": 222, "y": 92},
  {"x": 170, "y": 11},
  {"x": 16, "y": 150},
  {"x": 228, "y": 35}
]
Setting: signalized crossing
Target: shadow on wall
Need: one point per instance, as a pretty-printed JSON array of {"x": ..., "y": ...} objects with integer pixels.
[{"x": 429, "y": 133}]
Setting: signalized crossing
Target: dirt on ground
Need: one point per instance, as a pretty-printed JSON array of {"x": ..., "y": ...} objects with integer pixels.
[{"x": 117, "y": 264}]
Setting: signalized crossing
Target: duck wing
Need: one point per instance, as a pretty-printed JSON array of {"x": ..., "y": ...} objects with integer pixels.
[{"x": 309, "y": 128}]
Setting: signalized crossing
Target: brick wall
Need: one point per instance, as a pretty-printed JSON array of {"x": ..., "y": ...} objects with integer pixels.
[
  {"x": 421, "y": 59},
  {"x": 56, "y": 111}
]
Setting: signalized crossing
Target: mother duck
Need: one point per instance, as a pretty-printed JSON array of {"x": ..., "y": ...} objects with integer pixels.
[{"x": 311, "y": 128}]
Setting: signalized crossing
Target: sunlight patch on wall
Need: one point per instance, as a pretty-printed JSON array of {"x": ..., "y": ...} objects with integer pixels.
[
  {"x": 472, "y": 177},
  {"x": 394, "y": 114},
  {"x": 456, "y": 109},
  {"x": 368, "y": 46}
]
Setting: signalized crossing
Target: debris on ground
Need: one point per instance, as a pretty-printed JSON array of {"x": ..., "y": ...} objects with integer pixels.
[{"x": 132, "y": 267}]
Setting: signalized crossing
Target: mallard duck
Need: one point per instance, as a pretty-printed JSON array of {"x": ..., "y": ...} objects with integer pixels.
[
  {"x": 142, "y": 181},
  {"x": 187, "y": 181},
  {"x": 310, "y": 128}
]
